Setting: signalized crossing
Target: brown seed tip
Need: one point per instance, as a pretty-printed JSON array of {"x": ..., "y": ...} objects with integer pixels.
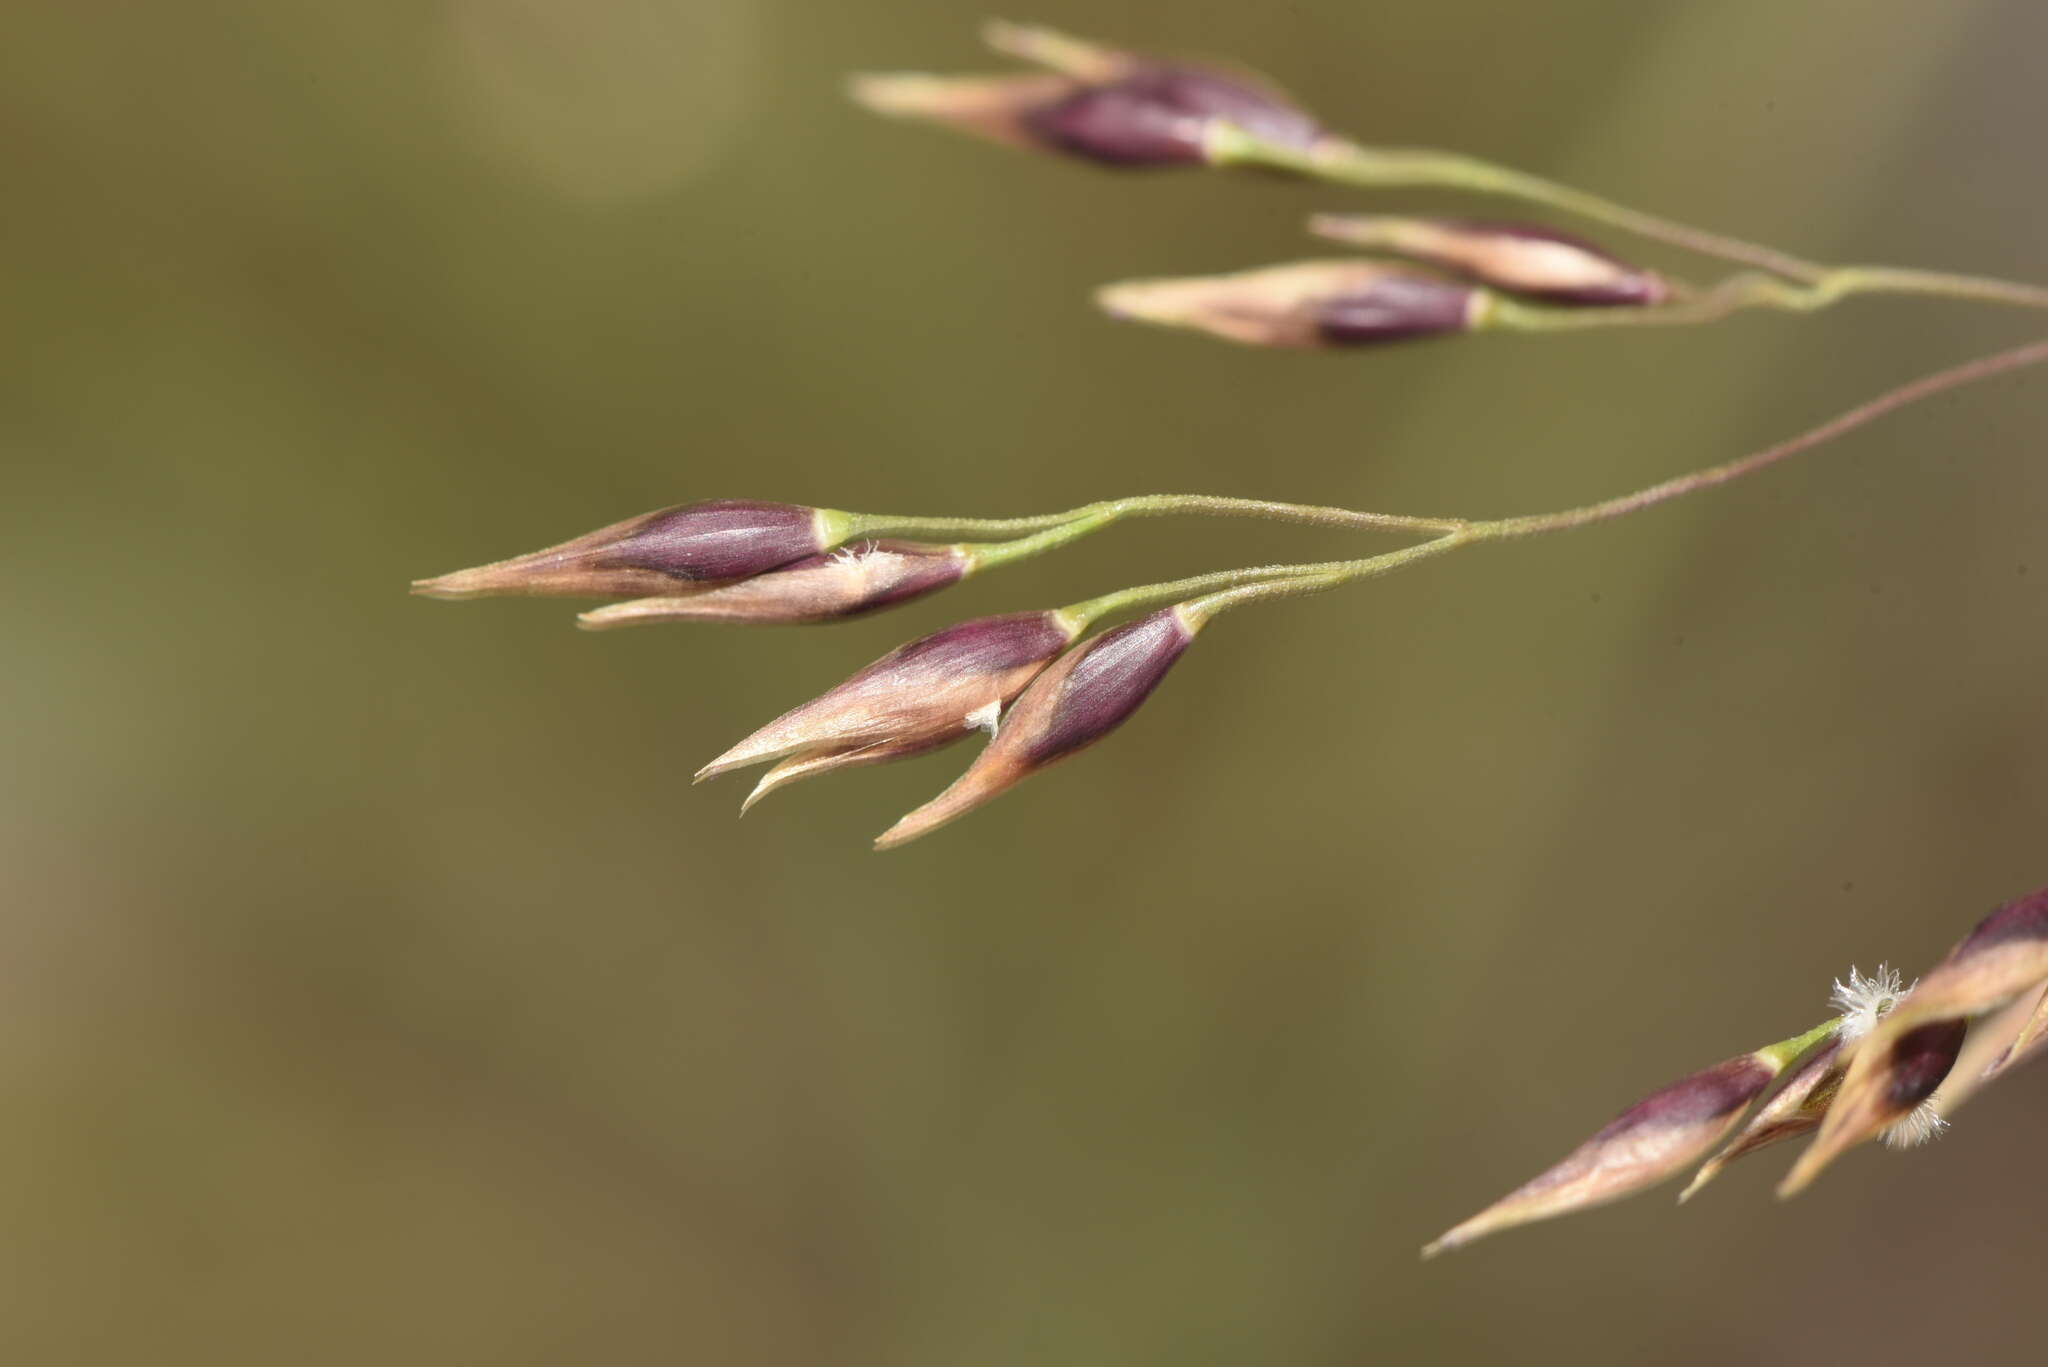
[
  {"x": 2031, "y": 1038},
  {"x": 481, "y": 582},
  {"x": 989, "y": 107},
  {"x": 979, "y": 784},
  {"x": 813, "y": 763},
  {"x": 791, "y": 770},
  {"x": 1061, "y": 52}
]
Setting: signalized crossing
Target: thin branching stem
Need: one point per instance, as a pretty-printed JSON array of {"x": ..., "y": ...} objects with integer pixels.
[
  {"x": 1926, "y": 387},
  {"x": 1752, "y": 291},
  {"x": 1055, "y": 529},
  {"x": 1339, "y": 162},
  {"x": 1282, "y": 580},
  {"x": 1346, "y": 163},
  {"x": 1270, "y": 584}
]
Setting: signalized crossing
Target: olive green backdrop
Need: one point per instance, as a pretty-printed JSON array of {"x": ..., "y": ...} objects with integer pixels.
[{"x": 375, "y": 988}]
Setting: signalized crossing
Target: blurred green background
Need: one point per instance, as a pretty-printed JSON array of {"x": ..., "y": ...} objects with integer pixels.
[{"x": 376, "y": 987}]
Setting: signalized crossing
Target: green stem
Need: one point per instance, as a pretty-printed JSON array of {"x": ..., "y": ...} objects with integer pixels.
[
  {"x": 1337, "y": 161},
  {"x": 1317, "y": 579},
  {"x": 1926, "y": 387},
  {"x": 1895, "y": 280},
  {"x": 1748, "y": 291},
  {"x": 1053, "y": 529},
  {"x": 1081, "y": 615},
  {"x": 1346, "y": 163},
  {"x": 1785, "y": 1052},
  {"x": 988, "y": 554},
  {"x": 1752, "y": 291},
  {"x": 859, "y": 525},
  {"x": 1221, "y": 591}
]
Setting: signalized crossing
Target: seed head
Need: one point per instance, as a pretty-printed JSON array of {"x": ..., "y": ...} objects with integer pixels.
[
  {"x": 2006, "y": 955},
  {"x": 1160, "y": 115},
  {"x": 1885, "y": 1085},
  {"x": 817, "y": 588},
  {"x": 1794, "y": 1109},
  {"x": 1093, "y": 689},
  {"x": 1519, "y": 257},
  {"x": 1311, "y": 304},
  {"x": 1645, "y": 1144},
  {"x": 927, "y": 693},
  {"x": 1095, "y": 103},
  {"x": 674, "y": 552}
]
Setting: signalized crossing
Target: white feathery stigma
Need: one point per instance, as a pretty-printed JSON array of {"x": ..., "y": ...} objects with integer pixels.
[
  {"x": 853, "y": 555},
  {"x": 985, "y": 718},
  {"x": 1861, "y": 1000},
  {"x": 1919, "y": 1125}
]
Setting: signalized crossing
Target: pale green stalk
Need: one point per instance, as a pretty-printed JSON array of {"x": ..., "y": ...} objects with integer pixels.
[
  {"x": 1218, "y": 592},
  {"x": 1983, "y": 368},
  {"x": 1748, "y": 291},
  {"x": 1341, "y": 162},
  {"x": 1059, "y": 528},
  {"x": 1198, "y": 611},
  {"x": 1788, "y": 1051},
  {"x": 1316, "y": 579},
  {"x": 1280, "y": 580}
]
